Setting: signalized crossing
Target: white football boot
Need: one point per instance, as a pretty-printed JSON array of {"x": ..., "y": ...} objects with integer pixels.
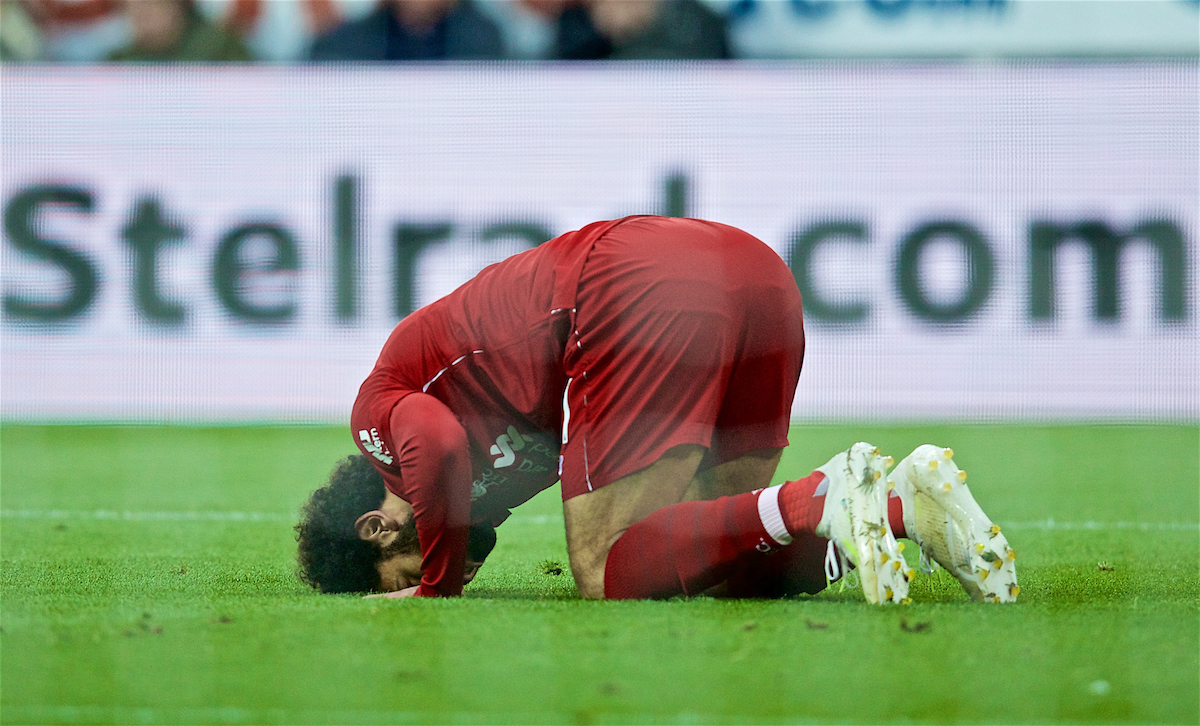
[
  {"x": 943, "y": 518},
  {"x": 855, "y": 523}
]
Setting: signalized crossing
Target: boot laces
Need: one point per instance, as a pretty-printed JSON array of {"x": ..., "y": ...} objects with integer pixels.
[{"x": 835, "y": 567}]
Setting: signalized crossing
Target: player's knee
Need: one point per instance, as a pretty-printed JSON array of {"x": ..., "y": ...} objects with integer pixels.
[
  {"x": 588, "y": 554},
  {"x": 589, "y": 585}
]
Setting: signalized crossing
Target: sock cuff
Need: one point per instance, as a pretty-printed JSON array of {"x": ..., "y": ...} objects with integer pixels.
[{"x": 771, "y": 516}]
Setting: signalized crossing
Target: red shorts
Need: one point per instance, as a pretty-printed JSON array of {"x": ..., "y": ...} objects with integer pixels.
[{"x": 684, "y": 334}]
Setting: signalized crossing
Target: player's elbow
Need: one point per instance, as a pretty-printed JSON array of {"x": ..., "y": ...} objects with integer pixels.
[
  {"x": 440, "y": 438},
  {"x": 445, "y": 442},
  {"x": 449, "y": 449}
]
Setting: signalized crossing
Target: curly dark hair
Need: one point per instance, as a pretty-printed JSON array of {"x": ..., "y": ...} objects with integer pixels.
[{"x": 332, "y": 557}]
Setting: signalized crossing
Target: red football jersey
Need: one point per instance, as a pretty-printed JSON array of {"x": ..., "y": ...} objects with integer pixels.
[
  {"x": 689, "y": 332},
  {"x": 488, "y": 359}
]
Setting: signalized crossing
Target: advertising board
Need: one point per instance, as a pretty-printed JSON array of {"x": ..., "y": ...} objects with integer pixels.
[
  {"x": 962, "y": 28},
  {"x": 997, "y": 242}
]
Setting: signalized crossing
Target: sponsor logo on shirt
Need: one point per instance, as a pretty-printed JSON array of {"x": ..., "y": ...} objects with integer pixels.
[
  {"x": 506, "y": 446},
  {"x": 534, "y": 458},
  {"x": 374, "y": 445}
]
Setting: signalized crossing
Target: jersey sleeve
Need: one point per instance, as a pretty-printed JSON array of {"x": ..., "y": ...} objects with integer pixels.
[{"x": 435, "y": 478}]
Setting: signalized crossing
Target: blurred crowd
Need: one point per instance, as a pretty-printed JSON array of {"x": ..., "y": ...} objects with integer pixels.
[{"x": 285, "y": 31}]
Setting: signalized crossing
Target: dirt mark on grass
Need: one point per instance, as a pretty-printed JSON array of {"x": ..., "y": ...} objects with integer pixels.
[{"x": 915, "y": 627}]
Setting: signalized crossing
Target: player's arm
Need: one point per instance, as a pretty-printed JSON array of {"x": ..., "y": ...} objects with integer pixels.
[{"x": 435, "y": 468}]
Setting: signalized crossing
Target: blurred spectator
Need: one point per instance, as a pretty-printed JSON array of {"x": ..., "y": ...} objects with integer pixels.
[
  {"x": 414, "y": 30},
  {"x": 80, "y": 31},
  {"x": 528, "y": 26},
  {"x": 282, "y": 30},
  {"x": 173, "y": 30},
  {"x": 20, "y": 38},
  {"x": 640, "y": 30}
]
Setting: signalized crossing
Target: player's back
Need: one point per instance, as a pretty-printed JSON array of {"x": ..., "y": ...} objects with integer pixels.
[{"x": 493, "y": 311}]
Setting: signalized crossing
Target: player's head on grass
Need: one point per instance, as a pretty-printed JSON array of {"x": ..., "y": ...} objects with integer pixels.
[
  {"x": 339, "y": 549},
  {"x": 332, "y": 555}
]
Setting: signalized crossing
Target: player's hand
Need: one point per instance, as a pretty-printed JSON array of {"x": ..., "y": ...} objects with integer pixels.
[{"x": 406, "y": 592}]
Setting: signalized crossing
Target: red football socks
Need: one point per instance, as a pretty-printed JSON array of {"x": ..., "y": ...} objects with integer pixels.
[
  {"x": 684, "y": 549},
  {"x": 896, "y": 518},
  {"x": 689, "y": 547},
  {"x": 762, "y": 544},
  {"x": 800, "y": 504}
]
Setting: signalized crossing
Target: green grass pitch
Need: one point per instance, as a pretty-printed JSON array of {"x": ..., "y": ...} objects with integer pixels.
[{"x": 148, "y": 577}]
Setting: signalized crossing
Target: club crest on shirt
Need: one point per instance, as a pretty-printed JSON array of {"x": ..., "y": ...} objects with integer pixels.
[
  {"x": 488, "y": 479},
  {"x": 374, "y": 445}
]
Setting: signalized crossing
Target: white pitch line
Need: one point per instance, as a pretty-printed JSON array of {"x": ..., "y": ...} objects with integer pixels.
[
  {"x": 1051, "y": 524},
  {"x": 127, "y": 516},
  {"x": 537, "y": 519}
]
